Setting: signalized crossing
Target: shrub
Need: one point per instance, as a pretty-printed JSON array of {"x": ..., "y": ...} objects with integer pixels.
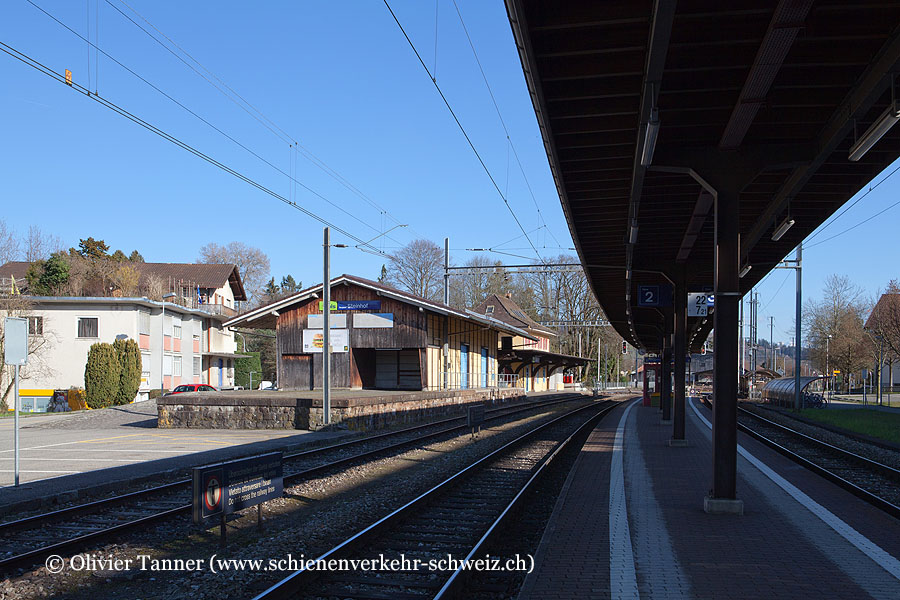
[
  {"x": 242, "y": 368},
  {"x": 76, "y": 399},
  {"x": 129, "y": 356},
  {"x": 101, "y": 376}
]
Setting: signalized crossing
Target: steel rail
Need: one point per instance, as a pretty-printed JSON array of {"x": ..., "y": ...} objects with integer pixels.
[
  {"x": 862, "y": 494},
  {"x": 867, "y": 462},
  {"x": 29, "y": 557},
  {"x": 293, "y": 583}
]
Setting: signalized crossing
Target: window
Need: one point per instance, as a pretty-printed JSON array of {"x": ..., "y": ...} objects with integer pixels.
[
  {"x": 489, "y": 310},
  {"x": 177, "y": 366},
  {"x": 145, "y": 367},
  {"x": 35, "y": 325},
  {"x": 196, "y": 365},
  {"x": 88, "y": 327},
  {"x": 167, "y": 364},
  {"x": 176, "y": 332},
  {"x": 144, "y": 322}
]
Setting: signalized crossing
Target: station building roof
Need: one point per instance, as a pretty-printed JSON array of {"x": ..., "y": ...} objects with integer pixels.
[{"x": 265, "y": 317}]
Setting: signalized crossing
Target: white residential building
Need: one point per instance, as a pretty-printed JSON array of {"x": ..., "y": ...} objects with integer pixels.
[{"x": 181, "y": 340}]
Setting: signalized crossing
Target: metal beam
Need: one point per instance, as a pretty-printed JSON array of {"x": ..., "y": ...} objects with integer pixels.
[{"x": 787, "y": 20}]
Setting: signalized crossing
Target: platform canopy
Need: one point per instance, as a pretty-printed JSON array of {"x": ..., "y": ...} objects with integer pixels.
[
  {"x": 648, "y": 110},
  {"x": 782, "y": 390}
]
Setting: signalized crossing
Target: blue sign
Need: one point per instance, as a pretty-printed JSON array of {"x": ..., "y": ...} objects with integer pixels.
[
  {"x": 711, "y": 300},
  {"x": 648, "y": 295},
  {"x": 359, "y": 305},
  {"x": 655, "y": 295}
]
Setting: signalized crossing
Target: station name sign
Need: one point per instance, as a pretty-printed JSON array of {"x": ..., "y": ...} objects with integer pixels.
[
  {"x": 352, "y": 305},
  {"x": 224, "y": 488}
]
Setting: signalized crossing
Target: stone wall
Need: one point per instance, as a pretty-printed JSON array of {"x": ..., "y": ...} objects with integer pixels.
[
  {"x": 211, "y": 411},
  {"x": 282, "y": 410}
]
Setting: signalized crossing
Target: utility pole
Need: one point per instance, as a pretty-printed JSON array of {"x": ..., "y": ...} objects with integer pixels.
[
  {"x": 798, "y": 315},
  {"x": 742, "y": 366},
  {"x": 326, "y": 332},
  {"x": 447, "y": 318},
  {"x": 771, "y": 363}
]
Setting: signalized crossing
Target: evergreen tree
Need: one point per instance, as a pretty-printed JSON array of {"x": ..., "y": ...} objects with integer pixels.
[
  {"x": 289, "y": 286},
  {"x": 101, "y": 376},
  {"x": 129, "y": 357},
  {"x": 47, "y": 277},
  {"x": 136, "y": 257},
  {"x": 91, "y": 248}
]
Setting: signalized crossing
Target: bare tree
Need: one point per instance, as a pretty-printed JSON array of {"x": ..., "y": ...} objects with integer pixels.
[
  {"x": 155, "y": 287},
  {"x": 418, "y": 268},
  {"x": 834, "y": 327},
  {"x": 39, "y": 342},
  {"x": 39, "y": 245},
  {"x": 252, "y": 264},
  {"x": 884, "y": 326},
  {"x": 470, "y": 288},
  {"x": 9, "y": 244},
  {"x": 124, "y": 279}
]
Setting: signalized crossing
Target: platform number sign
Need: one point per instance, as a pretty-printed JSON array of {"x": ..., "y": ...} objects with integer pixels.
[
  {"x": 655, "y": 295},
  {"x": 648, "y": 295},
  {"x": 697, "y": 304}
]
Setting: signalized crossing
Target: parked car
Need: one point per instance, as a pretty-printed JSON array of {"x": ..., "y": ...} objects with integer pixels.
[{"x": 192, "y": 387}]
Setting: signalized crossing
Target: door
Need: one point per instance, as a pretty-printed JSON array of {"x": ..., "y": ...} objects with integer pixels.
[
  {"x": 463, "y": 366},
  {"x": 386, "y": 369},
  {"x": 408, "y": 375},
  {"x": 221, "y": 364},
  {"x": 484, "y": 367}
]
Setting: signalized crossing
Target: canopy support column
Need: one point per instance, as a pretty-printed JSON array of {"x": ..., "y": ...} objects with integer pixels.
[
  {"x": 725, "y": 377},
  {"x": 680, "y": 350}
]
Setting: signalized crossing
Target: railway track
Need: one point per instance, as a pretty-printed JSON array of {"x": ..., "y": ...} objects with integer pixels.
[
  {"x": 29, "y": 540},
  {"x": 874, "y": 482},
  {"x": 453, "y": 520}
]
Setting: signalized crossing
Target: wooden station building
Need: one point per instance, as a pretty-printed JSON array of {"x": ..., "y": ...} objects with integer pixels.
[
  {"x": 382, "y": 338},
  {"x": 526, "y": 361}
]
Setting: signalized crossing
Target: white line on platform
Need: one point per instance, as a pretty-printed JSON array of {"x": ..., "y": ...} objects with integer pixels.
[
  {"x": 11, "y": 471},
  {"x": 27, "y": 458},
  {"x": 622, "y": 572},
  {"x": 864, "y": 544}
]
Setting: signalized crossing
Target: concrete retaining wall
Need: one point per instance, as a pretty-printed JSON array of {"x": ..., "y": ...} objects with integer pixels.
[{"x": 281, "y": 410}]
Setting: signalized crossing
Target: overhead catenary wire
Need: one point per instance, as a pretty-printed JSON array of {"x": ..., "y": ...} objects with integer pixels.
[
  {"x": 24, "y": 58},
  {"x": 502, "y": 121},
  {"x": 848, "y": 207},
  {"x": 849, "y": 229},
  {"x": 249, "y": 108},
  {"x": 462, "y": 129},
  {"x": 278, "y": 169}
]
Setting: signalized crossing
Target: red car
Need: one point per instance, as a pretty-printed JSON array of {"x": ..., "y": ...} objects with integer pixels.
[{"x": 192, "y": 387}]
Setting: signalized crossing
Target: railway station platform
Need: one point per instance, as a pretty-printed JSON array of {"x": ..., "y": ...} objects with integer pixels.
[{"x": 630, "y": 524}]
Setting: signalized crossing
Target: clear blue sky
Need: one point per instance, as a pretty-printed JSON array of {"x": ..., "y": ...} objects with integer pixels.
[{"x": 338, "y": 77}]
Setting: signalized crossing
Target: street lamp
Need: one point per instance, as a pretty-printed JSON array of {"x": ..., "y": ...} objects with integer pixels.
[
  {"x": 162, "y": 344},
  {"x": 326, "y": 334}
]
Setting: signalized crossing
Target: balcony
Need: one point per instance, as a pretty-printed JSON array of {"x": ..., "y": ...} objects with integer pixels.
[{"x": 215, "y": 309}]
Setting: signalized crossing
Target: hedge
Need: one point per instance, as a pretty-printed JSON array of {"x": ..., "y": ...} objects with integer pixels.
[{"x": 101, "y": 376}]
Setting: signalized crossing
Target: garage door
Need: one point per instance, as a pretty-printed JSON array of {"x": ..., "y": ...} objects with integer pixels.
[{"x": 386, "y": 369}]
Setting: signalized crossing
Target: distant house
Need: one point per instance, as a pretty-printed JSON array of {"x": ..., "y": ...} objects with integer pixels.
[
  {"x": 190, "y": 346},
  {"x": 886, "y": 315},
  {"x": 381, "y": 338},
  {"x": 527, "y": 362}
]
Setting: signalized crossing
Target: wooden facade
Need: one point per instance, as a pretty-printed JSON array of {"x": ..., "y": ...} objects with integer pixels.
[{"x": 428, "y": 347}]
